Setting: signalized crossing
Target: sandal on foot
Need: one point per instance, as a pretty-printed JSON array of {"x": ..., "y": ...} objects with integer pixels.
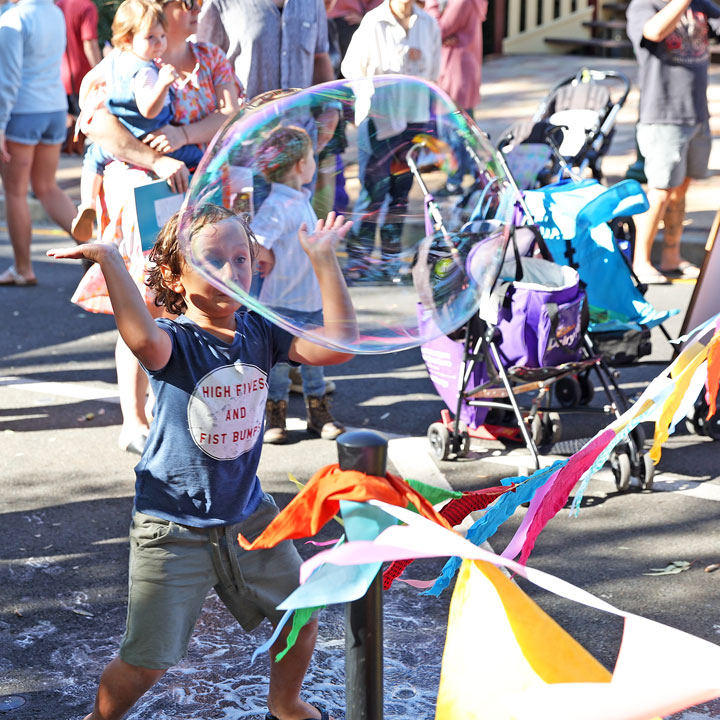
[
  {"x": 684, "y": 270},
  {"x": 323, "y": 715},
  {"x": 83, "y": 224},
  {"x": 12, "y": 277},
  {"x": 652, "y": 276}
]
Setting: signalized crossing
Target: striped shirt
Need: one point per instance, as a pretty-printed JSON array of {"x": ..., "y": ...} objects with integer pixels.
[{"x": 269, "y": 48}]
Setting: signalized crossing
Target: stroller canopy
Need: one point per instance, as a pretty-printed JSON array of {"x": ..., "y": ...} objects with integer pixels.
[{"x": 573, "y": 219}]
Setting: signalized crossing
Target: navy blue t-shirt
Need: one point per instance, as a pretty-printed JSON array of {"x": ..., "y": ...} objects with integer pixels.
[{"x": 199, "y": 467}]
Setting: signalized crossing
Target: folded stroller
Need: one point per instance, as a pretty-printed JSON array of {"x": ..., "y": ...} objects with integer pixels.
[{"x": 570, "y": 131}]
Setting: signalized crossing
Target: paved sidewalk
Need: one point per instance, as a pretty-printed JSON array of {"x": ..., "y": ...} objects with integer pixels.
[{"x": 513, "y": 86}]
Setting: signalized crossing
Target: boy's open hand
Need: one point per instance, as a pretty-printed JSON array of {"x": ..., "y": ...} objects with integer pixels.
[
  {"x": 327, "y": 236},
  {"x": 95, "y": 252}
]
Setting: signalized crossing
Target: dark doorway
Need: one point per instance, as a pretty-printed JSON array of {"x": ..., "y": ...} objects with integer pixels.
[{"x": 494, "y": 27}]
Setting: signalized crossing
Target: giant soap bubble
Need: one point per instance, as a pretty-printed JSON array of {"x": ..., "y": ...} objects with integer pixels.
[{"x": 388, "y": 150}]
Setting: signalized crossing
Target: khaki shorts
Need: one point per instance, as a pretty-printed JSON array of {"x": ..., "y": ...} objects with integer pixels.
[
  {"x": 674, "y": 152},
  {"x": 172, "y": 569}
]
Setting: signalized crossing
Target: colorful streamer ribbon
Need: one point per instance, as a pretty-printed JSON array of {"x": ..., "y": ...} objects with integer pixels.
[{"x": 320, "y": 499}]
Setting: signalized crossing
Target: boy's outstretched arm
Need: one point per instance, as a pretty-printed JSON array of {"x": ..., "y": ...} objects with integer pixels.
[
  {"x": 339, "y": 319},
  {"x": 151, "y": 345}
]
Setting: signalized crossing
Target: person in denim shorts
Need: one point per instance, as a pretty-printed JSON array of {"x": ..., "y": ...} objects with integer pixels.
[
  {"x": 670, "y": 39},
  {"x": 32, "y": 43},
  {"x": 196, "y": 482}
]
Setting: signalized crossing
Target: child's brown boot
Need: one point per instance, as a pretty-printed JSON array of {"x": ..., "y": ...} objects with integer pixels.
[
  {"x": 275, "y": 430},
  {"x": 320, "y": 421}
]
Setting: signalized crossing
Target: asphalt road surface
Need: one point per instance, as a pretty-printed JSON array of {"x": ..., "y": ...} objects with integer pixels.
[{"x": 67, "y": 496}]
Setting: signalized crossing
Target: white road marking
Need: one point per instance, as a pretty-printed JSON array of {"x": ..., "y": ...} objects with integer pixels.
[
  {"x": 410, "y": 455},
  {"x": 76, "y": 391}
]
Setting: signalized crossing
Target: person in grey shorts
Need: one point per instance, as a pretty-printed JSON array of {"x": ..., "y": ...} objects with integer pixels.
[
  {"x": 670, "y": 39},
  {"x": 196, "y": 482}
]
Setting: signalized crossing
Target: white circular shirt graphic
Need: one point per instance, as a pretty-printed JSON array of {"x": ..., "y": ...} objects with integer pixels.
[{"x": 225, "y": 412}]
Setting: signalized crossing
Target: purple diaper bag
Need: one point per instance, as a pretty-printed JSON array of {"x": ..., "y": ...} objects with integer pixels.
[{"x": 540, "y": 317}]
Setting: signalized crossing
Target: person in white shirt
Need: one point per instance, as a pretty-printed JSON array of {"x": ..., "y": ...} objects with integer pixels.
[
  {"x": 397, "y": 37},
  {"x": 286, "y": 160}
]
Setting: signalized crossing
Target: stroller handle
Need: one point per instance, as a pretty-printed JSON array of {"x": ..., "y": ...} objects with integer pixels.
[{"x": 584, "y": 75}]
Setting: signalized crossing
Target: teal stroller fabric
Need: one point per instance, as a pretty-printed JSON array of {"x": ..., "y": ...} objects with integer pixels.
[{"x": 573, "y": 217}]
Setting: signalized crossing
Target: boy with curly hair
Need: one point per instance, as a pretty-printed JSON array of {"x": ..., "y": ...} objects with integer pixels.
[{"x": 196, "y": 482}]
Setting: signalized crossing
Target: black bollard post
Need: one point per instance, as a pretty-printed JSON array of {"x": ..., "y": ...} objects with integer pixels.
[{"x": 366, "y": 452}]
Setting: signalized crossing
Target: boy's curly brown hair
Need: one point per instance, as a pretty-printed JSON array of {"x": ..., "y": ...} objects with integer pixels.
[
  {"x": 167, "y": 252},
  {"x": 280, "y": 150}
]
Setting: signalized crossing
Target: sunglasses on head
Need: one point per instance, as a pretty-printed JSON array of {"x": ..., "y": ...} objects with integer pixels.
[{"x": 187, "y": 4}]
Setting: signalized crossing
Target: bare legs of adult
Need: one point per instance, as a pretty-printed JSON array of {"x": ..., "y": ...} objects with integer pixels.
[
  {"x": 121, "y": 686},
  {"x": 31, "y": 165},
  {"x": 646, "y": 227},
  {"x": 671, "y": 259},
  {"x": 669, "y": 206}
]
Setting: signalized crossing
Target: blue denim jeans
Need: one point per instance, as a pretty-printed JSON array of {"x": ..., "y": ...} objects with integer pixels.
[
  {"x": 313, "y": 380},
  {"x": 313, "y": 376}
]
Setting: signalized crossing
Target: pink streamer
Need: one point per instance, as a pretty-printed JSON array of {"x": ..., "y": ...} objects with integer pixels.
[
  {"x": 515, "y": 545},
  {"x": 419, "y": 584},
  {"x": 559, "y": 491}
]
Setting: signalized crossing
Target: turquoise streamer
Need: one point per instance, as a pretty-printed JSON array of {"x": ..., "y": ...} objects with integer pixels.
[
  {"x": 265, "y": 647},
  {"x": 496, "y": 515}
]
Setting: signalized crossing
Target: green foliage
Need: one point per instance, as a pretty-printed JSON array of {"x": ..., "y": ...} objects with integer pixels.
[{"x": 106, "y": 10}]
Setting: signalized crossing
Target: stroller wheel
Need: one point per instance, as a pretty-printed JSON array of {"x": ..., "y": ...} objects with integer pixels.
[
  {"x": 712, "y": 426},
  {"x": 553, "y": 427},
  {"x": 646, "y": 471},
  {"x": 620, "y": 466},
  {"x": 537, "y": 430},
  {"x": 568, "y": 391},
  {"x": 464, "y": 449},
  {"x": 439, "y": 438},
  {"x": 587, "y": 390},
  {"x": 696, "y": 422}
]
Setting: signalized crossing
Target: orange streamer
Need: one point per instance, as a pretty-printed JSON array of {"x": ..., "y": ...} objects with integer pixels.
[{"x": 319, "y": 501}]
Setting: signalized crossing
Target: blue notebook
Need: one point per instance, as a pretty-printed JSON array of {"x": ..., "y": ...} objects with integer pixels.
[{"x": 155, "y": 203}]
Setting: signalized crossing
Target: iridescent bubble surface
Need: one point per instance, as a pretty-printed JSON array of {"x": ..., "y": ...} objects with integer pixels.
[{"x": 387, "y": 150}]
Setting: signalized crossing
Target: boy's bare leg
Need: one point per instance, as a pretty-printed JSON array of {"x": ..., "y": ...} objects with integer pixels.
[
  {"x": 286, "y": 677},
  {"x": 646, "y": 227},
  {"x": 121, "y": 686},
  {"x": 673, "y": 219}
]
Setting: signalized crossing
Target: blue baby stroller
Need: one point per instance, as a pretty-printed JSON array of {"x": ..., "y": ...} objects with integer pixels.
[{"x": 574, "y": 220}]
